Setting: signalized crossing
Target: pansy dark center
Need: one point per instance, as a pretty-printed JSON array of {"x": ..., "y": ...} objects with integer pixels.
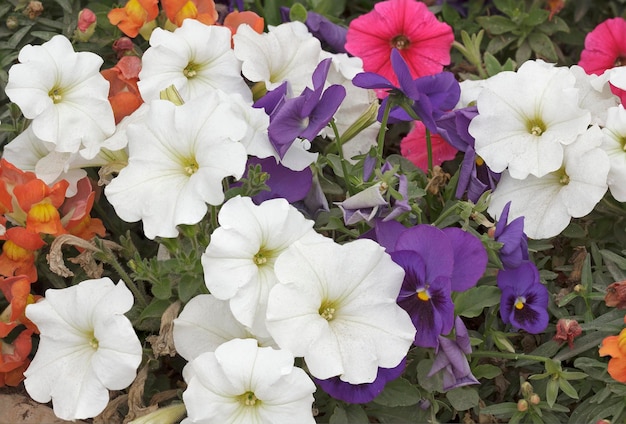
[{"x": 400, "y": 42}]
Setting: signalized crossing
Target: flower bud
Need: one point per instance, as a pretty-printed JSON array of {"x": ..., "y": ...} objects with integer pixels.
[
  {"x": 12, "y": 23},
  {"x": 122, "y": 46},
  {"x": 535, "y": 399},
  {"x": 526, "y": 389},
  {"x": 33, "y": 10},
  {"x": 522, "y": 405},
  {"x": 86, "y": 25}
]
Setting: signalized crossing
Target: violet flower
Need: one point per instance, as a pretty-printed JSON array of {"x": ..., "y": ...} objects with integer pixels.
[
  {"x": 306, "y": 115},
  {"x": 475, "y": 177},
  {"x": 429, "y": 96},
  {"x": 450, "y": 358},
  {"x": 283, "y": 182},
  {"x": 514, "y": 248},
  {"x": 331, "y": 35},
  {"x": 524, "y": 301},
  {"x": 361, "y": 393}
]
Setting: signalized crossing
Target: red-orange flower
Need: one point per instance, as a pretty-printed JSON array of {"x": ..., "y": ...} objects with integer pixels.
[
  {"x": 615, "y": 346},
  {"x": 179, "y": 10},
  {"x": 14, "y": 359},
  {"x": 130, "y": 18},
  {"x": 18, "y": 253},
  {"x": 76, "y": 209},
  {"x": 11, "y": 176},
  {"x": 17, "y": 291},
  {"x": 41, "y": 203},
  {"x": 236, "y": 18},
  {"x": 123, "y": 92}
]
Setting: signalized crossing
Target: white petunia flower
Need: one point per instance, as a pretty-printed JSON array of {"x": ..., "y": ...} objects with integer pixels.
[
  {"x": 548, "y": 203},
  {"x": 195, "y": 58},
  {"x": 614, "y": 145},
  {"x": 243, "y": 383},
  {"x": 205, "y": 323},
  {"x": 64, "y": 94},
  {"x": 239, "y": 261},
  {"x": 287, "y": 52},
  {"x": 87, "y": 347},
  {"x": 526, "y": 118},
  {"x": 595, "y": 94},
  {"x": 336, "y": 306},
  {"x": 178, "y": 157}
]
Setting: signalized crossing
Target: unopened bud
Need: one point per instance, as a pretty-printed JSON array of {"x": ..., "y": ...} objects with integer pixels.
[
  {"x": 86, "y": 25},
  {"x": 122, "y": 46},
  {"x": 526, "y": 389},
  {"x": 12, "y": 23},
  {"x": 579, "y": 288},
  {"x": 535, "y": 399},
  {"x": 522, "y": 405},
  {"x": 33, "y": 10}
]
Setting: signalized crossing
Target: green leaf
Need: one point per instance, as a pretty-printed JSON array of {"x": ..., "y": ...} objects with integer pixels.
[
  {"x": 349, "y": 414},
  {"x": 487, "y": 371},
  {"x": 542, "y": 46},
  {"x": 567, "y": 388},
  {"x": 471, "y": 303},
  {"x": 463, "y": 398},
  {"x": 297, "y": 13},
  {"x": 536, "y": 17},
  {"x": 613, "y": 257},
  {"x": 552, "y": 391},
  {"x": 66, "y": 5},
  {"x": 189, "y": 286},
  {"x": 155, "y": 309},
  {"x": 399, "y": 392},
  {"x": 161, "y": 289},
  {"x": 496, "y": 25},
  {"x": 499, "y": 43},
  {"x": 430, "y": 384},
  {"x": 500, "y": 409}
]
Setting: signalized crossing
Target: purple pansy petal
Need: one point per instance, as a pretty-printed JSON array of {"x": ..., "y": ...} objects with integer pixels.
[
  {"x": 273, "y": 99},
  {"x": 371, "y": 80},
  {"x": 470, "y": 258},
  {"x": 282, "y": 181},
  {"x": 321, "y": 73},
  {"x": 361, "y": 393},
  {"x": 326, "y": 31},
  {"x": 462, "y": 336},
  {"x": 385, "y": 233},
  {"x": 286, "y": 124},
  {"x": 515, "y": 244},
  {"x": 324, "y": 111},
  {"x": 399, "y": 207},
  {"x": 405, "y": 79},
  {"x": 524, "y": 275},
  {"x": 432, "y": 245}
]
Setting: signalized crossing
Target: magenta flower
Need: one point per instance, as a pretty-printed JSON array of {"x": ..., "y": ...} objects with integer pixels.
[
  {"x": 605, "y": 47},
  {"x": 406, "y": 25},
  {"x": 413, "y": 147}
]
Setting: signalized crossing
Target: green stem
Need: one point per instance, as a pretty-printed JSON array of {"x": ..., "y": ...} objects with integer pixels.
[
  {"x": 110, "y": 258},
  {"x": 344, "y": 168},
  {"x": 429, "y": 152},
  {"x": 445, "y": 214},
  {"x": 382, "y": 132},
  {"x": 508, "y": 355}
]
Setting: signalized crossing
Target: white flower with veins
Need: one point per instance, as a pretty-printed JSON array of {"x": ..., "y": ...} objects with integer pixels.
[
  {"x": 614, "y": 144},
  {"x": 239, "y": 261},
  {"x": 525, "y": 119},
  {"x": 64, "y": 94},
  {"x": 243, "y": 383},
  {"x": 87, "y": 347},
  {"x": 335, "y": 305}
]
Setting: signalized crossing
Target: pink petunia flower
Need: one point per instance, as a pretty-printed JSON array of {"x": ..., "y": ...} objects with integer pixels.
[
  {"x": 413, "y": 147},
  {"x": 407, "y": 25},
  {"x": 605, "y": 48}
]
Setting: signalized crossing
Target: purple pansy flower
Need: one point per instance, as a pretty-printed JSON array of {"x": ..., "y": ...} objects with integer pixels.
[
  {"x": 331, "y": 35},
  {"x": 524, "y": 301},
  {"x": 514, "y": 248},
  {"x": 429, "y": 96},
  {"x": 450, "y": 358},
  {"x": 306, "y": 115},
  {"x": 475, "y": 177},
  {"x": 361, "y": 393},
  {"x": 425, "y": 293}
]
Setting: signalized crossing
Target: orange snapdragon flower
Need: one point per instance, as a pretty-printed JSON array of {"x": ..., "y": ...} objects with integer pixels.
[
  {"x": 134, "y": 15},
  {"x": 10, "y": 177},
  {"x": 123, "y": 92},
  {"x": 19, "y": 253},
  {"x": 17, "y": 291},
  {"x": 76, "y": 213},
  {"x": 615, "y": 346},
  {"x": 179, "y": 10},
  {"x": 41, "y": 203},
  {"x": 235, "y": 18},
  {"x": 14, "y": 359}
]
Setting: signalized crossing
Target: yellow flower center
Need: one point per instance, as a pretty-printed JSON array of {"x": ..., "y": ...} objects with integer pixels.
[
  {"x": 479, "y": 161},
  {"x": 56, "y": 95},
  {"x": 536, "y": 127},
  {"x": 190, "y": 166},
  {"x": 248, "y": 399},
  {"x": 519, "y": 303},
  {"x": 94, "y": 343},
  {"x": 43, "y": 212},
  {"x": 422, "y": 294},
  {"x": 191, "y": 70},
  {"x": 400, "y": 42},
  {"x": 327, "y": 311},
  {"x": 15, "y": 252}
]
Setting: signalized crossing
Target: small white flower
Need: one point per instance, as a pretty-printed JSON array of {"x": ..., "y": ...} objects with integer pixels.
[
  {"x": 64, "y": 94},
  {"x": 87, "y": 347},
  {"x": 195, "y": 58},
  {"x": 287, "y": 52},
  {"x": 548, "y": 203},
  {"x": 205, "y": 323},
  {"x": 178, "y": 157},
  {"x": 239, "y": 261},
  {"x": 526, "y": 118},
  {"x": 614, "y": 145},
  {"x": 243, "y": 383},
  {"x": 336, "y": 306}
]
